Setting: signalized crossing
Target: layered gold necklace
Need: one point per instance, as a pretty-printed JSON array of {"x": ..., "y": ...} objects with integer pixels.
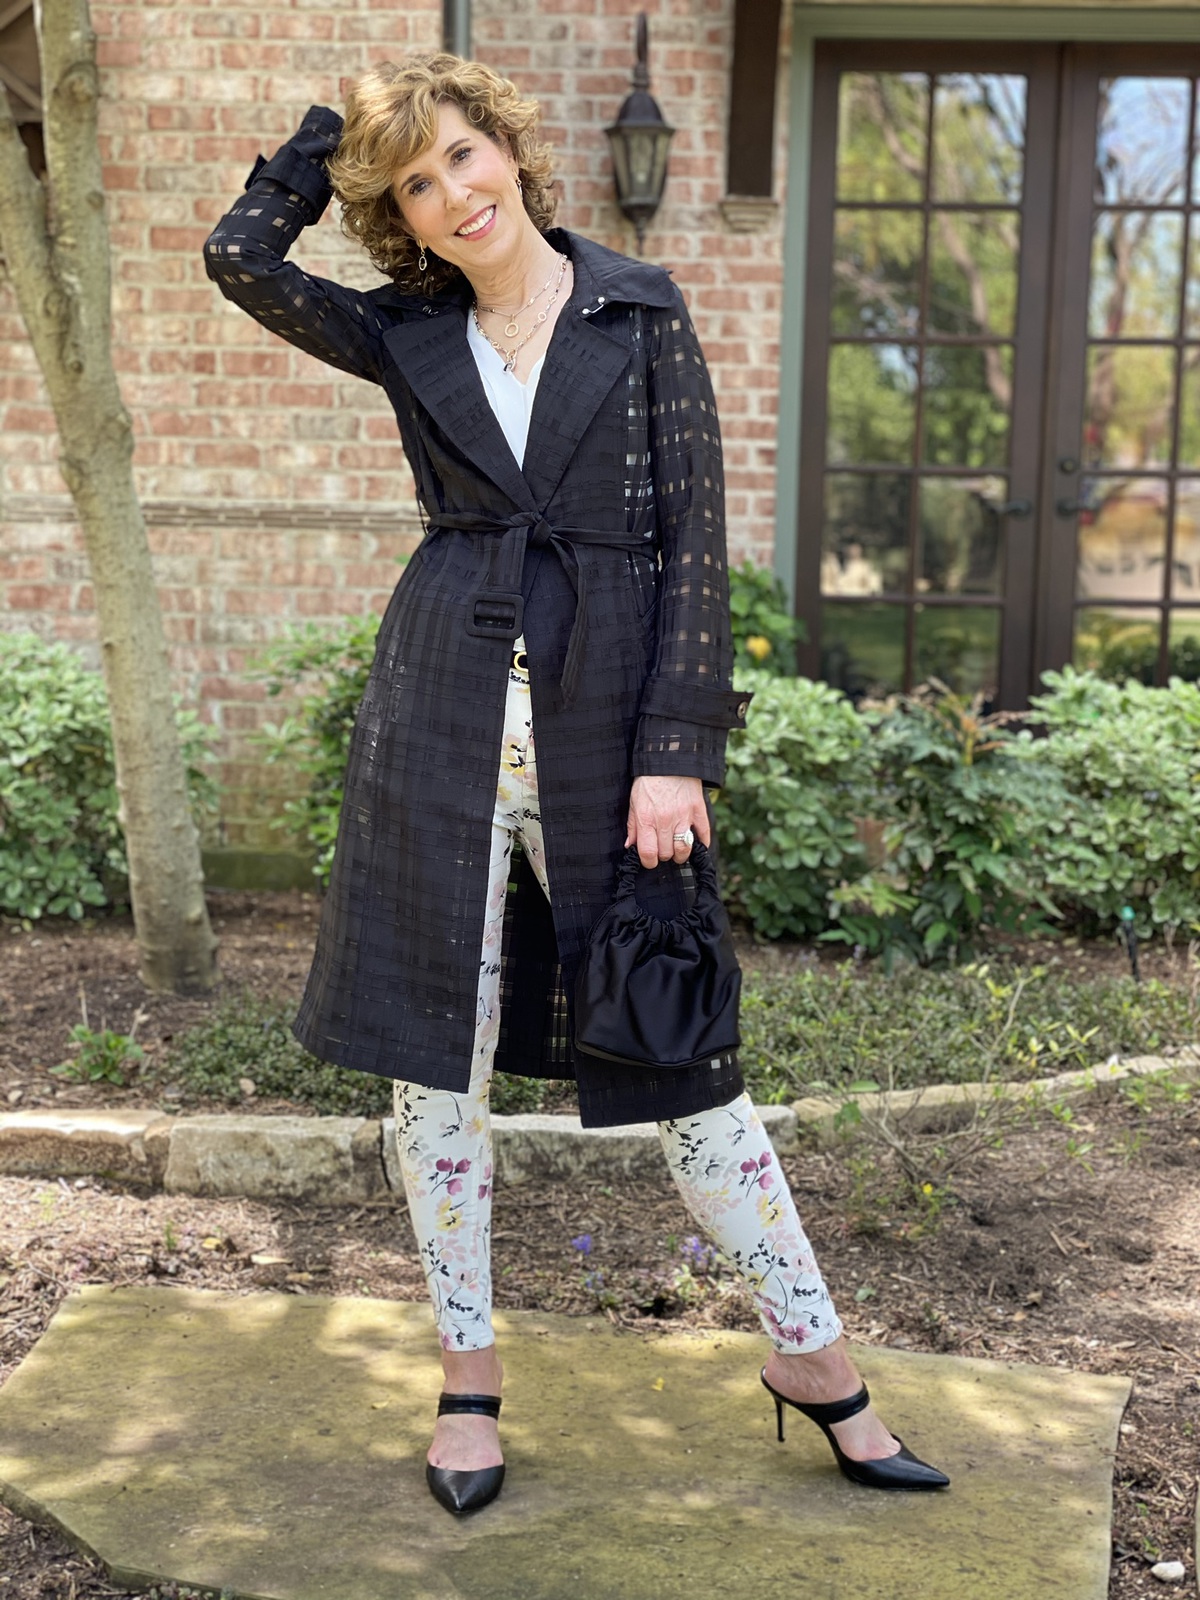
[{"x": 512, "y": 326}]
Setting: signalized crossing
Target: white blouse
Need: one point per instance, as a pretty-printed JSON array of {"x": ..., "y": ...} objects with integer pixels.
[{"x": 510, "y": 399}]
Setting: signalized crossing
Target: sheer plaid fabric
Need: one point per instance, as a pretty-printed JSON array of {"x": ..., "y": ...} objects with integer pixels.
[{"x": 624, "y": 445}]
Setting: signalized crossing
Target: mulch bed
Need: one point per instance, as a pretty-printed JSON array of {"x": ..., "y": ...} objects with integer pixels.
[{"x": 1090, "y": 1262}]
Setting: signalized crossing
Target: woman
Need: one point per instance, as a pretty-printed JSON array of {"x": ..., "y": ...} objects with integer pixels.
[{"x": 556, "y": 412}]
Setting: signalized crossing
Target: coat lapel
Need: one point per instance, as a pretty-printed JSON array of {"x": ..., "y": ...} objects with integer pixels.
[
  {"x": 583, "y": 361},
  {"x": 431, "y": 350},
  {"x": 587, "y": 354}
]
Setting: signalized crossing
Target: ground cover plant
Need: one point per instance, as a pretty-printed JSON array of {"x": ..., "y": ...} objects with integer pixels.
[{"x": 821, "y": 1029}]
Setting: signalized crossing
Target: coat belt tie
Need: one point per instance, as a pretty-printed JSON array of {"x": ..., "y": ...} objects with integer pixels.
[{"x": 497, "y": 609}]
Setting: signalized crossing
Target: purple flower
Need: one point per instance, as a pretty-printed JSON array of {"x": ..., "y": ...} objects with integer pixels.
[{"x": 583, "y": 1244}]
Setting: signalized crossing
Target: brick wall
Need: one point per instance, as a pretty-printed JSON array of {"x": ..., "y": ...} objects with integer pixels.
[{"x": 275, "y": 489}]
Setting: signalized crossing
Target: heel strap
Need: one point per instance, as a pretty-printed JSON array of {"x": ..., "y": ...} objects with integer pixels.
[{"x": 479, "y": 1405}]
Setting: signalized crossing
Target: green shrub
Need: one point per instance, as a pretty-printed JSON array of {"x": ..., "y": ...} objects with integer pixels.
[
  {"x": 764, "y": 631},
  {"x": 826, "y": 1028},
  {"x": 1127, "y": 828},
  {"x": 963, "y": 816},
  {"x": 61, "y": 846},
  {"x": 330, "y": 666},
  {"x": 797, "y": 776},
  {"x": 252, "y": 1038}
]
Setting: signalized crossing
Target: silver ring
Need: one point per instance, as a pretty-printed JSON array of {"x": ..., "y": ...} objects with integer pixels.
[{"x": 686, "y": 838}]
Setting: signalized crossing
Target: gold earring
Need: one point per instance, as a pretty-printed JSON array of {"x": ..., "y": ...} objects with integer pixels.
[{"x": 422, "y": 264}]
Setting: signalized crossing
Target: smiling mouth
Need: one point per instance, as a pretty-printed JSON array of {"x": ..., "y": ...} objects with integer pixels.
[{"x": 481, "y": 221}]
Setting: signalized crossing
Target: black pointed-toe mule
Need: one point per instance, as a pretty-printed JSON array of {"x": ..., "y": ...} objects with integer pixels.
[
  {"x": 901, "y": 1471},
  {"x": 461, "y": 1492}
]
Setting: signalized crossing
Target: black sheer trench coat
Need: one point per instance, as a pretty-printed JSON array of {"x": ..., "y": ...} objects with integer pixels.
[{"x": 607, "y": 550}]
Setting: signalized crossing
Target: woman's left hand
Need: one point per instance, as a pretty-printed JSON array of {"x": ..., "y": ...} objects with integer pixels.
[{"x": 659, "y": 808}]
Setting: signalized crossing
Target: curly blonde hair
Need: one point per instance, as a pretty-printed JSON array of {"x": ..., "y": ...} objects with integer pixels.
[{"x": 391, "y": 118}]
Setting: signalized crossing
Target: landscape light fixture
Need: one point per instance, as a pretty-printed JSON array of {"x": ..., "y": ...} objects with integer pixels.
[{"x": 639, "y": 140}]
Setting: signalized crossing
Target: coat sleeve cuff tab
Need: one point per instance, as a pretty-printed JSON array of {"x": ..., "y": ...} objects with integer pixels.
[{"x": 688, "y": 702}]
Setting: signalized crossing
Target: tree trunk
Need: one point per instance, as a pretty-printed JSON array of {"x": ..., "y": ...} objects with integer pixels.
[{"x": 55, "y": 240}]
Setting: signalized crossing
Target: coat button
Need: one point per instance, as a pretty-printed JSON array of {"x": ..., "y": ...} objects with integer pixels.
[
  {"x": 587, "y": 311},
  {"x": 599, "y": 299},
  {"x": 743, "y": 707}
]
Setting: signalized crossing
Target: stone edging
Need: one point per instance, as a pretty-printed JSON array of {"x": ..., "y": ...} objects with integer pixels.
[
  {"x": 333, "y": 1159},
  {"x": 942, "y": 1107},
  {"x": 352, "y": 1160}
]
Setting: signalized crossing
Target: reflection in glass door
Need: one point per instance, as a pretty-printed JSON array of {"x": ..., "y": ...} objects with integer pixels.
[
  {"x": 1127, "y": 501},
  {"x": 930, "y": 342}
]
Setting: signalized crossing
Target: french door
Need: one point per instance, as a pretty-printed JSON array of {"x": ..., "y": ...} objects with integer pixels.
[{"x": 1000, "y": 442}]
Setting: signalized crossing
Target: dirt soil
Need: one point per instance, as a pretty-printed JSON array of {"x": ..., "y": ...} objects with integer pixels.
[{"x": 1066, "y": 1245}]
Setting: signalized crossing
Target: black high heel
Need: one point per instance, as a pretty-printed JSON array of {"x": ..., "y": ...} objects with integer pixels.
[
  {"x": 900, "y": 1471},
  {"x": 461, "y": 1492}
]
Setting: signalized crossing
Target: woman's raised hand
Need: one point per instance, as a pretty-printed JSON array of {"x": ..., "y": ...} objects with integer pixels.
[{"x": 659, "y": 808}]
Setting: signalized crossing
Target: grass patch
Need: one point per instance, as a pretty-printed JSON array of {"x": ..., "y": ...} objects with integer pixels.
[{"x": 803, "y": 1032}]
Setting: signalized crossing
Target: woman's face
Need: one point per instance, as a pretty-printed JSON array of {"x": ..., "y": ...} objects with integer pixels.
[{"x": 464, "y": 180}]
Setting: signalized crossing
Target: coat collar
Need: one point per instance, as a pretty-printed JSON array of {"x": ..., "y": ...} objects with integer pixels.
[{"x": 583, "y": 361}]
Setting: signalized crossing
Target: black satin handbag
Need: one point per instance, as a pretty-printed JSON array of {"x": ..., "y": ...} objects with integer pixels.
[{"x": 659, "y": 994}]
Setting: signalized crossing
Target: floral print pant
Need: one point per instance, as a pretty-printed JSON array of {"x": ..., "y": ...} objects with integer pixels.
[{"x": 721, "y": 1160}]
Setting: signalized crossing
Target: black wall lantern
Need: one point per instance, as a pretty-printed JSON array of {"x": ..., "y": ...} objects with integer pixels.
[{"x": 639, "y": 139}]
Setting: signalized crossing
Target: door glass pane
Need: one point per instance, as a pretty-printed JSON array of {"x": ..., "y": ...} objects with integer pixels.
[
  {"x": 862, "y": 647},
  {"x": 1122, "y": 539},
  {"x": 1141, "y": 142},
  {"x": 882, "y": 122},
  {"x": 1183, "y": 645},
  {"x": 959, "y": 550},
  {"x": 865, "y": 545},
  {"x": 1193, "y": 280},
  {"x": 968, "y": 396},
  {"x": 877, "y": 272},
  {"x": 1185, "y": 564},
  {"x": 1118, "y": 644},
  {"x": 872, "y": 403},
  {"x": 1129, "y": 413},
  {"x": 960, "y": 645},
  {"x": 978, "y": 137},
  {"x": 1189, "y": 421},
  {"x": 973, "y": 272},
  {"x": 1136, "y": 261}
]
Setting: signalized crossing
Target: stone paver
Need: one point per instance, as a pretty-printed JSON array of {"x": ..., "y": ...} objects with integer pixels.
[{"x": 274, "y": 1444}]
